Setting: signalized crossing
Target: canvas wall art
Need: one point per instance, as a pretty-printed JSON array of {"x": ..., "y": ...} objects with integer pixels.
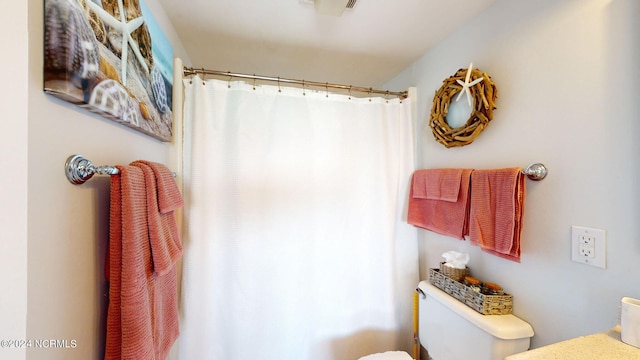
[{"x": 111, "y": 57}]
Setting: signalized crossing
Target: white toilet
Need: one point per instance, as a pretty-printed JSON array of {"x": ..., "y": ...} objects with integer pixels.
[{"x": 450, "y": 330}]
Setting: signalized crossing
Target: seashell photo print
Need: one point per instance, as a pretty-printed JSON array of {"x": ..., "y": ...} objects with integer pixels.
[{"x": 112, "y": 58}]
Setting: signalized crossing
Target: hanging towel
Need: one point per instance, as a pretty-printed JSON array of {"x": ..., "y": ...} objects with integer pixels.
[
  {"x": 142, "y": 317},
  {"x": 163, "y": 197},
  {"x": 439, "y": 201},
  {"x": 497, "y": 210},
  {"x": 439, "y": 184}
]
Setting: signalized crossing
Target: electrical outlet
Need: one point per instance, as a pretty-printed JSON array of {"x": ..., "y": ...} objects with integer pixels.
[
  {"x": 586, "y": 240},
  {"x": 588, "y": 246},
  {"x": 587, "y": 251}
]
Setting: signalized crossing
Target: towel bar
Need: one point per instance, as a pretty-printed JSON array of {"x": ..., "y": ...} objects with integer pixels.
[
  {"x": 80, "y": 169},
  {"x": 536, "y": 171}
]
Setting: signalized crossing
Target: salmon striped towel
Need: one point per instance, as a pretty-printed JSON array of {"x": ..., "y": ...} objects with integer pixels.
[
  {"x": 144, "y": 245},
  {"x": 439, "y": 201},
  {"x": 497, "y": 210}
]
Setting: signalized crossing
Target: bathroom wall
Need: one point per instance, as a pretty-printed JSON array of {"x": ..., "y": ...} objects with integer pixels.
[
  {"x": 13, "y": 171},
  {"x": 568, "y": 78},
  {"x": 68, "y": 224}
]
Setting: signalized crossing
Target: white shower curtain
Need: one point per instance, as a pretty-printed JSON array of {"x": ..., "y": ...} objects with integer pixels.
[{"x": 296, "y": 243}]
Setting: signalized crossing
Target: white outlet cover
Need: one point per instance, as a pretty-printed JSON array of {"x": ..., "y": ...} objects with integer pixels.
[{"x": 599, "y": 246}]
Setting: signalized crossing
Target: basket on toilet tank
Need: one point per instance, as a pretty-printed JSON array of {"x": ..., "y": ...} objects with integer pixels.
[
  {"x": 455, "y": 274},
  {"x": 484, "y": 304}
]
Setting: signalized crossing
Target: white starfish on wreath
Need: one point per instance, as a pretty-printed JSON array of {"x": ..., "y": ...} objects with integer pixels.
[
  {"x": 466, "y": 85},
  {"x": 125, "y": 28}
]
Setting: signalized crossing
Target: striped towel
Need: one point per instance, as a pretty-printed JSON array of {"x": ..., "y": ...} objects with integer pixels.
[{"x": 497, "y": 210}]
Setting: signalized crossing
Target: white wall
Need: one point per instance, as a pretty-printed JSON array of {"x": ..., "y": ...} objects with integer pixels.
[
  {"x": 569, "y": 82},
  {"x": 68, "y": 224},
  {"x": 13, "y": 172}
]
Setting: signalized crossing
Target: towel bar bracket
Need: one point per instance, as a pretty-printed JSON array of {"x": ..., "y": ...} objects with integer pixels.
[{"x": 79, "y": 169}]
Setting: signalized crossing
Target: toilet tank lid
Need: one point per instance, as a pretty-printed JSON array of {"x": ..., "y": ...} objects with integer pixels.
[{"x": 506, "y": 327}]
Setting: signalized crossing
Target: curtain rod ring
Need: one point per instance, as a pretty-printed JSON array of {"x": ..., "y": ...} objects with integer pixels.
[
  {"x": 229, "y": 81},
  {"x": 279, "y": 89}
]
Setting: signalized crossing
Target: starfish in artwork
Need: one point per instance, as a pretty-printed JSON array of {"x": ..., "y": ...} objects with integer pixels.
[
  {"x": 125, "y": 28},
  {"x": 466, "y": 85}
]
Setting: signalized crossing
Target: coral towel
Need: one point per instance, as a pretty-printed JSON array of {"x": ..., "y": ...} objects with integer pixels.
[
  {"x": 439, "y": 184},
  {"x": 439, "y": 201},
  {"x": 496, "y": 211},
  {"x": 163, "y": 197},
  {"x": 144, "y": 245}
]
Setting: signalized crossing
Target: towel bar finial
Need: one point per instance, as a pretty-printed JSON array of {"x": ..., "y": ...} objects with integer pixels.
[
  {"x": 536, "y": 171},
  {"x": 79, "y": 169}
]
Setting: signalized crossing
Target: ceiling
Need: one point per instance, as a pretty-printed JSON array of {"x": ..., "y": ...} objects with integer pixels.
[{"x": 366, "y": 46}]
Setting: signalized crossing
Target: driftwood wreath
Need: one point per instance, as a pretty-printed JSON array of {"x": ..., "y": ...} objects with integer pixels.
[{"x": 474, "y": 84}]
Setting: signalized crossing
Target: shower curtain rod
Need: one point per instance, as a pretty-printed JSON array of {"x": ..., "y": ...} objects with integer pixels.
[{"x": 193, "y": 71}]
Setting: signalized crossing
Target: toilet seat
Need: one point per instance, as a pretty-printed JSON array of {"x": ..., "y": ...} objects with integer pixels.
[{"x": 388, "y": 355}]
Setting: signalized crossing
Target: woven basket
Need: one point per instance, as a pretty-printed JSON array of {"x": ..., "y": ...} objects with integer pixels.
[
  {"x": 484, "y": 304},
  {"x": 455, "y": 274}
]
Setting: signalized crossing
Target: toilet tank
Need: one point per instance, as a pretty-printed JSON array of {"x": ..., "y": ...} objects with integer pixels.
[{"x": 450, "y": 330}]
